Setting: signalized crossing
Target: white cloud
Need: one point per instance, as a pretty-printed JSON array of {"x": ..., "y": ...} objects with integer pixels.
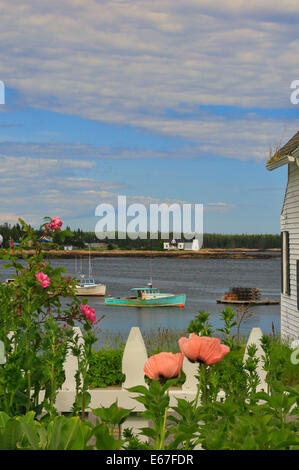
[
  {"x": 32, "y": 188},
  {"x": 126, "y": 62}
]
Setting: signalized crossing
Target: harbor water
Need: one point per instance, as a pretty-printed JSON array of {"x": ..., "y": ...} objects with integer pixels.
[{"x": 202, "y": 280}]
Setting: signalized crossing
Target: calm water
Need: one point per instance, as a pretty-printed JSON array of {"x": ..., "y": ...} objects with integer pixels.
[{"x": 203, "y": 281}]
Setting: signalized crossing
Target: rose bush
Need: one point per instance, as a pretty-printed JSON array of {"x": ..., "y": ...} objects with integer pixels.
[{"x": 36, "y": 327}]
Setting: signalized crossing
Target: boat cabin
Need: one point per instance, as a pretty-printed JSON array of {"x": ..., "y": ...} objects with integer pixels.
[
  {"x": 142, "y": 292},
  {"x": 89, "y": 281}
]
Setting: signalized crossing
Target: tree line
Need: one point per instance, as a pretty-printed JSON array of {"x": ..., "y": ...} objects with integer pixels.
[{"x": 210, "y": 240}]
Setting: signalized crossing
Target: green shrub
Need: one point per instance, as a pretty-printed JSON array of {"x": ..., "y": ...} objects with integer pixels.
[
  {"x": 105, "y": 368},
  {"x": 281, "y": 367}
]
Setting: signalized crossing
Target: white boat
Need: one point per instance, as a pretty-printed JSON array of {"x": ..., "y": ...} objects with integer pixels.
[
  {"x": 9, "y": 281},
  {"x": 87, "y": 285}
]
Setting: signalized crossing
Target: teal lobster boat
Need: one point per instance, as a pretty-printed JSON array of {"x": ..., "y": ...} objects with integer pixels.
[{"x": 148, "y": 297}]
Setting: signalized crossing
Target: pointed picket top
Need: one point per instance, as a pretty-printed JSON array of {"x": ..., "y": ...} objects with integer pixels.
[
  {"x": 71, "y": 363},
  {"x": 255, "y": 338},
  {"x": 134, "y": 358}
]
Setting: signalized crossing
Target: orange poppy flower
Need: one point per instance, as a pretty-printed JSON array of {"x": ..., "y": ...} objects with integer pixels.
[
  {"x": 203, "y": 349},
  {"x": 164, "y": 365}
]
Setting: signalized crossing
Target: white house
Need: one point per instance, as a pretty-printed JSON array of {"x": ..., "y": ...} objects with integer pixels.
[
  {"x": 96, "y": 245},
  {"x": 289, "y": 222},
  {"x": 179, "y": 244}
]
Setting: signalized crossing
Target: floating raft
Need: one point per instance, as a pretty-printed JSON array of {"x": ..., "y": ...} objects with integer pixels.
[
  {"x": 245, "y": 296},
  {"x": 248, "y": 302}
]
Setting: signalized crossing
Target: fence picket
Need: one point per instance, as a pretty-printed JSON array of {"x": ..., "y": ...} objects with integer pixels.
[
  {"x": 134, "y": 358},
  {"x": 255, "y": 338}
]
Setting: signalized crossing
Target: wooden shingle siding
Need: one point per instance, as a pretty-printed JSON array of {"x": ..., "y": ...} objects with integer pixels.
[
  {"x": 290, "y": 224},
  {"x": 281, "y": 263}
]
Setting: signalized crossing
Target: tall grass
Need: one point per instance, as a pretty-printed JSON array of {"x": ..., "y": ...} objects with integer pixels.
[
  {"x": 156, "y": 340},
  {"x": 166, "y": 339}
]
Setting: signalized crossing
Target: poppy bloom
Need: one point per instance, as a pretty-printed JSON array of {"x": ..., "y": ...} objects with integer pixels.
[
  {"x": 203, "y": 349},
  {"x": 164, "y": 365},
  {"x": 88, "y": 313},
  {"x": 56, "y": 223},
  {"x": 43, "y": 279}
]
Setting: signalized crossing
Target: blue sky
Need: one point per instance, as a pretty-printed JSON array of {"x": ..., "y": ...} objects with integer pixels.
[{"x": 161, "y": 101}]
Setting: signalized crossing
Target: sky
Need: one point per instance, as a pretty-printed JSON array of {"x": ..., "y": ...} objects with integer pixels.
[{"x": 162, "y": 101}]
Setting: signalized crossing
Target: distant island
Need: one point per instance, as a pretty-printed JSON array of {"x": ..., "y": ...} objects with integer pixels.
[
  {"x": 237, "y": 244},
  {"x": 237, "y": 253}
]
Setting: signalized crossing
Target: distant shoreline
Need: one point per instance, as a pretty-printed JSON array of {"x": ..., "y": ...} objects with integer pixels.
[{"x": 219, "y": 253}]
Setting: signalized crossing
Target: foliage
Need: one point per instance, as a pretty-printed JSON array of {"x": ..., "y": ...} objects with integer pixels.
[
  {"x": 277, "y": 362},
  {"x": 210, "y": 240},
  {"x": 105, "y": 368},
  {"x": 200, "y": 325},
  {"x": 155, "y": 399},
  {"x": 162, "y": 339},
  {"x": 35, "y": 328}
]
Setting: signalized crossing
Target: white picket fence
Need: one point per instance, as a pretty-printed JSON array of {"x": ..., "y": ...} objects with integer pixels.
[{"x": 134, "y": 358}]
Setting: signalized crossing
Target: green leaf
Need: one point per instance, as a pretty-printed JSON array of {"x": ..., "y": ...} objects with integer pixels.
[
  {"x": 31, "y": 434},
  {"x": 3, "y": 419},
  {"x": 149, "y": 432},
  {"x": 104, "y": 441},
  {"x": 66, "y": 434},
  {"x": 138, "y": 389},
  {"x": 10, "y": 435}
]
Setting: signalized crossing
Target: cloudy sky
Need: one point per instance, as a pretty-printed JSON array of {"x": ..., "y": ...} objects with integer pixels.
[{"x": 158, "y": 100}]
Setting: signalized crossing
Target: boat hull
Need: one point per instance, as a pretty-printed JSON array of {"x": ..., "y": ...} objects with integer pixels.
[
  {"x": 169, "y": 301},
  {"x": 98, "y": 290}
]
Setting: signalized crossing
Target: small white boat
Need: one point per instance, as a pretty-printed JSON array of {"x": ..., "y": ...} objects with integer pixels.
[{"x": 87, "y": 285}]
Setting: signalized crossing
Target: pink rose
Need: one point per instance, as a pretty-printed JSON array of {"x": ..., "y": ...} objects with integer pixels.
[
  {"x": 55, "y": 224},
  {"x": 88, "y": 313},
  {"x": 43, "y": 279}
]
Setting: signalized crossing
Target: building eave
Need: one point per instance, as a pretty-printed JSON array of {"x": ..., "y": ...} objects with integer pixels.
[{"x": 280, "y": 162}]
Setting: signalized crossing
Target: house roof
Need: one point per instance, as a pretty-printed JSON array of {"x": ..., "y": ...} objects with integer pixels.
[
  {"x": 290, "y": 146},
  {"x": 281, "y": 156},
  {"x": 178, "y": 240}
]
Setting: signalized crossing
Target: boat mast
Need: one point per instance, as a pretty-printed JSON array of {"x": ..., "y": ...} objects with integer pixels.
[
  {"x": 151, "y": 273},
  {"x": 150, "y": 284},
  {"x": 89, "y": 264}
]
